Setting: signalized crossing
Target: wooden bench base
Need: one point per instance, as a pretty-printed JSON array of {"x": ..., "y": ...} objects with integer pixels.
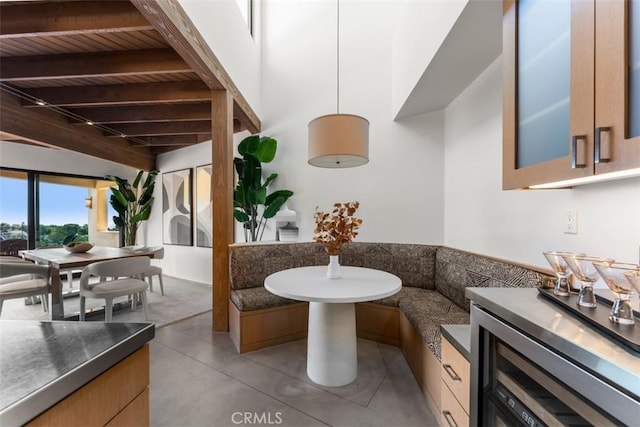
[
  {"x": 253, "y": 330},
  {"x": 424, "y": 364},
  {"x": 378, "y": 322}
]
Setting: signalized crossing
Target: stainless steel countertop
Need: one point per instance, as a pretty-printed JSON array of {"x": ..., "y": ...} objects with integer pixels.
[
  {"x": 43, "y": 362},
  {"x": 556, "y": 328}
]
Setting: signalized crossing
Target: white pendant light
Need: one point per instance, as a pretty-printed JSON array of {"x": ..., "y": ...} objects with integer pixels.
[{"x": 338, "y": 140}]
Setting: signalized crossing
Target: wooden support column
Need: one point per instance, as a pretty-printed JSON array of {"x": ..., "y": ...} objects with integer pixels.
[{"x": 222, "y": 185}]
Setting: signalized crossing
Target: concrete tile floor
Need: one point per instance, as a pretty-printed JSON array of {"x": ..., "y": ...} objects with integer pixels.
[{"x": 198, "y": 379}]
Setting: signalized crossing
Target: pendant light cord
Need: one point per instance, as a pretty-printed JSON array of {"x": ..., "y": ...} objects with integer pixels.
[{"x": 338, "y": 59}]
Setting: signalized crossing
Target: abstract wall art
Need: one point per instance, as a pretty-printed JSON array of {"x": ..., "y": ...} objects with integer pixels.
[
  {"x": 176, "y": 208},
  {"x": 204, "y": 207}
]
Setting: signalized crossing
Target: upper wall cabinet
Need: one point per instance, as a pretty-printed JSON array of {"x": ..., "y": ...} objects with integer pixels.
[{"x": 571, "y": 89}]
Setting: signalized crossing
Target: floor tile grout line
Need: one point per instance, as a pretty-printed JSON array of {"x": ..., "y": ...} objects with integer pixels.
[
  {"x": 226, "y": 374},
  {"x": 386, "y": 375}
]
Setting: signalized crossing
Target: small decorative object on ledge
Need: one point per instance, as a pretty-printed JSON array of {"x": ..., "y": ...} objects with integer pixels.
[{"x": 335, "y": 229}]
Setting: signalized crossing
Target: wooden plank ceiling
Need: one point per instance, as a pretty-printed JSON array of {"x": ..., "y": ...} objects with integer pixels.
[{"x": 120, "y": 80}]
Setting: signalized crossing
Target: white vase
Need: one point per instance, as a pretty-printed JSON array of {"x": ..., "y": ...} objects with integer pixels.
[{"x": 333, "y": 271}]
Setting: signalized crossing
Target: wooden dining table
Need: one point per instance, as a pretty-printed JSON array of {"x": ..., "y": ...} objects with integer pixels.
[{"x": 61, "y": 259}]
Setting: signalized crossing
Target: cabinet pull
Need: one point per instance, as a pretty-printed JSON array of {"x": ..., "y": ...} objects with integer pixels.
[
  {"x": 601, "y": 150},
  {"x": 575, "y": 163},
  {"x": 449, "y": 370},
  {"x": 447, "y": 416}
]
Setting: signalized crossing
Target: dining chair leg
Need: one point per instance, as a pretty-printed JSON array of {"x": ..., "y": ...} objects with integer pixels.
[
  {"x": 108, "y": 310},
  {"x": 150, "y": 283},
  {"x": 82, "y": 307},
  {"x": 1, "y": 301},
  {"x": 161, "y": 285},
  {"x": 134, "y": 301},
  {"x": 143, "y": 296},
  {"x": 43, "y": 301}
]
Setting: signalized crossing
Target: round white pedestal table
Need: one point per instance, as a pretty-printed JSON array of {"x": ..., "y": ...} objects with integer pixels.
[{"x": 332, "y": 358}]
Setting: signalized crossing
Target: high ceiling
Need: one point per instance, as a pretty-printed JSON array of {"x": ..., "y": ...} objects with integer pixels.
[{"x": 120, "y": 80}]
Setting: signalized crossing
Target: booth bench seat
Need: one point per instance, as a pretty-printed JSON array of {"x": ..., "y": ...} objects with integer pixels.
[{"x": 434, "y": 279}]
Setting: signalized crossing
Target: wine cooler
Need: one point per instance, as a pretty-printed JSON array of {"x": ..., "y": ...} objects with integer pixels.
[{"x": 517, "y": 380}]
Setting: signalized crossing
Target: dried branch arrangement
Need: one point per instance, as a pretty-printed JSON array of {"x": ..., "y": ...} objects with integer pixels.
[{"x": 338, "y": 227}]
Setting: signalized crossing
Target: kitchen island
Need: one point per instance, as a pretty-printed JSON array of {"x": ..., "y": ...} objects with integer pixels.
[{"x": 55, "y": 372}]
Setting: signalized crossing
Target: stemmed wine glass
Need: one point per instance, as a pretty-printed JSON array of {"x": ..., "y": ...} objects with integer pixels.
[
  {"x": 583, "y": 270},
  {"x": 633, "y": 277},
  {"x": 614, "y": 276},
  {"x": 559, "y": 267}
]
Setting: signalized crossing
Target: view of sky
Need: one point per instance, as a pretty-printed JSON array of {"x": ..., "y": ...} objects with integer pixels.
[{"x": 59, "y": 204}]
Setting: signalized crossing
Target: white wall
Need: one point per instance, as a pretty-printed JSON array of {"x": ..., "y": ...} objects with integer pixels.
[
  {"x": 400, "y": 189},
  {"x": 519, "y": 225},
  {"x": 188, "y": 262},
  {"x": 222, "y": 26},
  {"x": 423, "y": 27},
  {"x": 23, "y": 156}
]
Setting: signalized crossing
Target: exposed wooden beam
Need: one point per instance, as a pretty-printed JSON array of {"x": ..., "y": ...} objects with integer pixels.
[
  {"x": 174, "y": 140},
  {"x": 145, "y": 113},
  {"x": 69, "y": 18},
  {"x": 138, "y": 93},
  {"x": 94, "y": 64},
  {"x": 160, "y": 128},
  {"x": 49, "y": 128},
  {"x": 222, "y": 186},
  {"x": 173, "y": 23}
]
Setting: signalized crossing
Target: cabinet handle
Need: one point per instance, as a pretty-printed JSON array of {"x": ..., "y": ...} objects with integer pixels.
[
  {"x": 447, "y": 416},
  {"x": 449, "y": 370},
  {"x": 601, "y": 149},
  {"x": 574, "y": 151}
]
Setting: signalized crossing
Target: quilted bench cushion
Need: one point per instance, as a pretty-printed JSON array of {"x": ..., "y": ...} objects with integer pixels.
[
  {"x": 257, "y": 299},
  {"x": 405, "y": 292},
  {"x": 427, "y": 311}
]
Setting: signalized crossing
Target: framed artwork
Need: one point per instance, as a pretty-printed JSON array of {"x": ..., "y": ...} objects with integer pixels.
[
  {"x": 204, "y": 207},
  {"x": 177, "y": 221}
]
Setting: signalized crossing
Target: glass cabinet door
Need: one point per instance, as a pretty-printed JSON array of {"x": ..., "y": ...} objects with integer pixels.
[{"x": 548, "y": 60}]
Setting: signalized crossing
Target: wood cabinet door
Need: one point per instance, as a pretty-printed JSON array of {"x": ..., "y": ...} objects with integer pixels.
[
  {"x": 617, "y": 97},
  {"x": 547, "y": 117}
]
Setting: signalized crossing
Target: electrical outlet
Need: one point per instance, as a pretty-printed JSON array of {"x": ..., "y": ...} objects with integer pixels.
[{"x": 571, "y": 222}]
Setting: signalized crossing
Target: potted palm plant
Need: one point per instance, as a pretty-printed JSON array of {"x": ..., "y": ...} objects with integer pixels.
[
  {"x": 252, "y": 205},
  {"x": 132, "y": 202}
]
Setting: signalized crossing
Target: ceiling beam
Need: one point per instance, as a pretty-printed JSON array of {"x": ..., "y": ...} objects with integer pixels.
[
  {"x": 173, "y": 23},
  {"x": 161, "y": 128},
  {"x": 51, "y": 129},
  {"x": 137, "y": 93},
  {"x": 69, "y": 18},
  {"x": 174, "y": 140},
  {"x": 94, "y": 64},
  {"x": 145, "y": 113}
]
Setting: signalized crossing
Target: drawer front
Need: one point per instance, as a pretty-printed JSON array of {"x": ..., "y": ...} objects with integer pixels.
[
  {"x": 451, "y": 413},
  {"x": 456, "y": 373}
]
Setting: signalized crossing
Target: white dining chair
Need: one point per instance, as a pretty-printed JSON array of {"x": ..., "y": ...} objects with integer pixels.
[
  {"x": 154, "y": 270},
  {"x": 118, "y": 277},
  {"x": 19, "y": 279}
]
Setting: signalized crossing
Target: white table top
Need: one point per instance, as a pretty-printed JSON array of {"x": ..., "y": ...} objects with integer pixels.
[{"x": 311, "y": 284}]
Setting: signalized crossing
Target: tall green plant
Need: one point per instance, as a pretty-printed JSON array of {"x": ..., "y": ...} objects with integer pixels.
[
  {"x": 252, "y": 205},
  {"x": 132, "y": 202}
]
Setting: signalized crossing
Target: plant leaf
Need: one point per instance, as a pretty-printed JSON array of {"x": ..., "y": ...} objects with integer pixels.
[
  {"x": 269, "y": 179},
  {"x": 266, "y": 150},
  {"x": 70, "y": 238},
  {"x": 150, "y": 178},
  {"x": 278, "y": 193},
  {"x": 136, "y": 181},
  {"x": 240, "y": 216},
  {"x": 272, "y": 208},
  {"x": 257, "y": 197},
  {"x": 249, "y": 145}
]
